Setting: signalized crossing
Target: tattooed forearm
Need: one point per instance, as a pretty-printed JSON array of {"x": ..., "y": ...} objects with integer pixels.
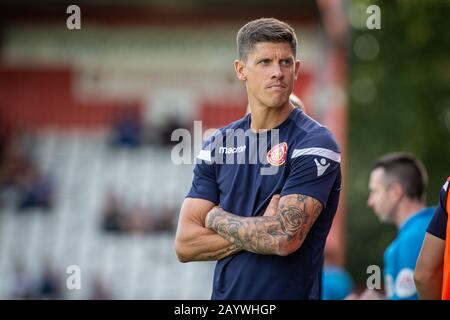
[{"x": 279, "y": 234}]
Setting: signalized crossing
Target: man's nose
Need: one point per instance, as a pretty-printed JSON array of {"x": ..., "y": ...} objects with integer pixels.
[{"x": 276, "y": 72}]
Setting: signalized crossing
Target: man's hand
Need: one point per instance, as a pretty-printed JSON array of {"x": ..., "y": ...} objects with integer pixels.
[
  {"x": 270, "y": 211},
  {"x": 272, "y": 208},
  {"x": 280, "y": 233}
]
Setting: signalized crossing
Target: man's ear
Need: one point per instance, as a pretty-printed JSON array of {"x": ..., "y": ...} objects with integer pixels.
[
  {"x": 397, "y": 190},
  {"x": 297, "y": 68},
  {"x": 239, "y": 67}
]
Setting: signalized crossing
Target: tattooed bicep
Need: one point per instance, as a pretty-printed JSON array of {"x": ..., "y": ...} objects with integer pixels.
[
  {"x": 297, "y": 214},
  {"x": 304, "y": 202}
]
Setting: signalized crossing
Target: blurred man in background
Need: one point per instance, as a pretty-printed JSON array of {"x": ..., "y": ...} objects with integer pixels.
[
  {"x": 432, "y": 276},
  {"x": 267, "y": 232},
  {"x": 397, "y": 195}
]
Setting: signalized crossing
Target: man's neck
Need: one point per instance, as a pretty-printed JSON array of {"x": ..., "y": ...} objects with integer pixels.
[
  {"x": 406, "y": 209},
  {"x": 265, "y": 118}
]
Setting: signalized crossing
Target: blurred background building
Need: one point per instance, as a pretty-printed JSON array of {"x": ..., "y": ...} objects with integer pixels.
[{"x": 86, "y": 117}]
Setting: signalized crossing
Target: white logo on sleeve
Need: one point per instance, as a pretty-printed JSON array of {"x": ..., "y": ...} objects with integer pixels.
[
  {"x": 404, "y": 283},
  {"x": 445, "y": 186},
  {"x": 322, "y": 166},
  {"x": 204, "y": 155}
]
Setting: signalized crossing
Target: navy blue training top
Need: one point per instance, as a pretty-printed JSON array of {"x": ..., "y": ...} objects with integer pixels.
[{"x": 305, "y": 159}]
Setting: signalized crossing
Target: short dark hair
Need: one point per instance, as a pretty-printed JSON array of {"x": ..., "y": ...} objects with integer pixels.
[
  {"x": 264, "y": 30},
  {"x": 407, "y": 170}
]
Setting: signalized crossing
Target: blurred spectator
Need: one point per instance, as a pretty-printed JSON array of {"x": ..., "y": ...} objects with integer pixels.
[
  {"x": 126, "y": 131},
  {"x": 170, "y": 125},
  {"x": 100, "y": 291},
  {"x": 21, "y": 180},
  {"x": 22, "y": 285},
  {"x": 166, "y": 220},
  {"x": 112, "y": 218},
  {"x": 49, "y": 284},
  {"x": 35, "y": 190},
  {"x": 137, "y": 220},
  {"x": 13, "y": 164},
  {"x": 397, "y": 195}
]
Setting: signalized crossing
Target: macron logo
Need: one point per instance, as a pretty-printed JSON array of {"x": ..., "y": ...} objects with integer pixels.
[
  {"x": 232, "y": 150},
  {"x": 322, "y": 166}
]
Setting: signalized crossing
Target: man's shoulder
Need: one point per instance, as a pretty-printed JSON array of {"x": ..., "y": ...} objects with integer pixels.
[
  {"x": 421, "y": 219},
  {"x": 428, "y": 213},
  {"x": 404, "y": 245},
  {"x": 312, "y": 134},
  {"x": 319, "y": 141},
  {"x": 414, "y": 230}
]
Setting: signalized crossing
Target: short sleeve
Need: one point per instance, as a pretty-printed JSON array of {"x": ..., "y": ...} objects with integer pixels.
[
  {"x": 204, "y": 184},
  {"x": 315, "y": 169},
  {"x": 438, "y": 223}
]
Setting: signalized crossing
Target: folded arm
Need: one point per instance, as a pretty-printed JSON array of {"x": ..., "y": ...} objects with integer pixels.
[
  {"x": 429, "y": 268},
  {"x": 195, "y": 242},
  {"x": 279, "y": 234}
]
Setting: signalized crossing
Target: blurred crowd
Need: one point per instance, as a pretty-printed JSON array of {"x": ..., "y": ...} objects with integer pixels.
[
  {"x": 128, "y": 130},
  {"x": 49, "y": 284},
  {"x": 119, "y": 217},
  {"x": 22, "y": 184}
]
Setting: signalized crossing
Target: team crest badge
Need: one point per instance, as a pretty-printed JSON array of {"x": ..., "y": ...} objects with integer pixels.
[{"x": 277, "y": 155}]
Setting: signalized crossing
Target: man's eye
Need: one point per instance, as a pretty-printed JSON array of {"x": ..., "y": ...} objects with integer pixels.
[
  {"x": 264, "y": 62},
  {"x": 286, "y": 62}
]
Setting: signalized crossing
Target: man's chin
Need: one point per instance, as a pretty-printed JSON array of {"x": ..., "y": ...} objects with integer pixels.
[
  {"x": 386, "y": 219},
  {"x": 278, "y": 103}
]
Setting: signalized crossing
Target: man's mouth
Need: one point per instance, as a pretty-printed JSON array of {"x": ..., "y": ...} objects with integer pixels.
[{"x": 276, "y": 85}]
